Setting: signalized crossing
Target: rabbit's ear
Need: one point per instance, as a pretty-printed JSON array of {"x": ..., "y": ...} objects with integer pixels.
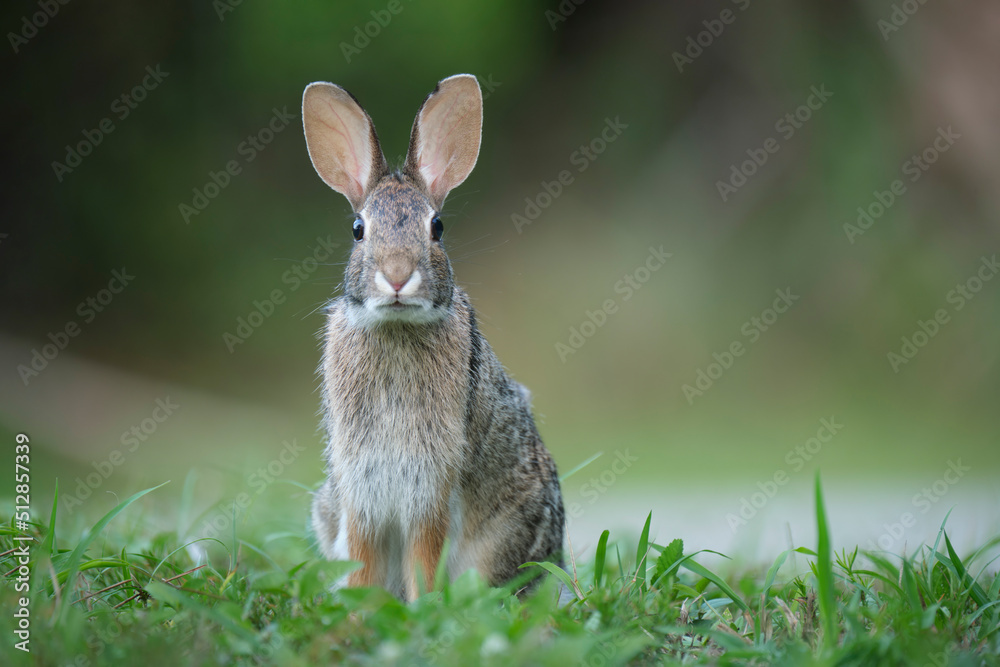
[
  {"x": 342, "y": 143},
  {"x": 444, "y": 143}
]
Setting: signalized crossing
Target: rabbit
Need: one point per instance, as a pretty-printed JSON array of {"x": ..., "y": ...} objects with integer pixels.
[{"x": 428, "y": 438}]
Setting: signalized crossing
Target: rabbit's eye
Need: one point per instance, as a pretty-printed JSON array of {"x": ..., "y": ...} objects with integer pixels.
[
  {"x": 359, "y": 229},
  {"x": 437, "y": 228}
]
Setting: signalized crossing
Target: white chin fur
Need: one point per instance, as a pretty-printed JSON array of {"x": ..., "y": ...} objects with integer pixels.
[{"x": 376, "y": 311}]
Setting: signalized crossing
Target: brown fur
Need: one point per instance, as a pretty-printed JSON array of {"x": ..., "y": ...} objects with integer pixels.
[
  {"x": 425, "y": 553},
  {"x": 363, "y": 549}
]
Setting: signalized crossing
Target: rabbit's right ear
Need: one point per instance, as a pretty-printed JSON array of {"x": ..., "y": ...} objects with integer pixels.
[
  {"x": 341, "y": 140},
  {"x": 444, "y": 142}
]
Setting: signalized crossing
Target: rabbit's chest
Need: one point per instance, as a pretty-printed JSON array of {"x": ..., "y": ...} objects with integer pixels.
[
  {"x": 393, "y": 465},
  {"x": 395, "y": 394},
  {"x": 397, "y": 433},
  {"x": 394, "y": 407}
]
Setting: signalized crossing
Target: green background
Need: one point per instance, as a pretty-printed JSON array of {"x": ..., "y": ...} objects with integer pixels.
[{"x": 553, "y": 81}]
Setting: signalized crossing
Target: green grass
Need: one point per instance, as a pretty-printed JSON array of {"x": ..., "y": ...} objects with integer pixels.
[{"x": 123, "y": 594}]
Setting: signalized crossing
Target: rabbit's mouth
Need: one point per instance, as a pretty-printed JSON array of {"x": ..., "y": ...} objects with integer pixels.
[
  {"x": 376, "y": 311},
  {"x": 398, "y": 308},
  {"x": 397, "y": 302}
]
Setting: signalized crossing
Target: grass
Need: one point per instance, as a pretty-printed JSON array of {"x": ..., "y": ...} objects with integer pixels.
[{"x": 122, "y": 594}]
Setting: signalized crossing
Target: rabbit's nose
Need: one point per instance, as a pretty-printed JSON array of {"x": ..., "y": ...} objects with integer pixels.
[
  {"x": 397, "y": 275},
  {"x": 398, "y": 278}
]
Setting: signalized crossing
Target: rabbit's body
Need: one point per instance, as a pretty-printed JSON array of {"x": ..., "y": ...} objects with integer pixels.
[{"x": 428, "y": 437}]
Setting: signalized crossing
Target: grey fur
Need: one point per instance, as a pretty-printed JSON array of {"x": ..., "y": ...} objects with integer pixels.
[{"x": 426, "y": 431}]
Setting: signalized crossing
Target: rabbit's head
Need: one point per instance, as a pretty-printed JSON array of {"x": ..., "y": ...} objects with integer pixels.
[{"x": 398, "y": 270}]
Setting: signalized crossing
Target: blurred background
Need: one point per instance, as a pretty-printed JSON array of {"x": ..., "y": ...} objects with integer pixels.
[{"x": 166, "y": 250}]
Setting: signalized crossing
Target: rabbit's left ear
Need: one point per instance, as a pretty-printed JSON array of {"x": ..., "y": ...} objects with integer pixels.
[{"x": 444, "y": 143}]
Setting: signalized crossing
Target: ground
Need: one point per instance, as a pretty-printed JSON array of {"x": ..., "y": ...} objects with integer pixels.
[{"x": 123, "y": 592}]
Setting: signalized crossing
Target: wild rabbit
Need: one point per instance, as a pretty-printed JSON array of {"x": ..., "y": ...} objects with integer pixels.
[{"x": 428, "y": 438}]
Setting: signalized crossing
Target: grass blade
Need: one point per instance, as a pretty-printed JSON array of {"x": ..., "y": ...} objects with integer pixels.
[
  {"x": 50, "y": 540},
  {"x": 772, "y": 572},
  {"x": 560, "y": 574},
  {"x": 43, "y": 557},
  {"x": 441, "y": 574},
  {"x": 940, "y": 533},
  {"x": 73, "y": 563},
  {"x": 669, "y": 570},
  {"x": 640, "y": 554},
  {"x": 602, "y": 548},
  {"x": 578, "y": 468},
  {"x": 824, "y": 572},
  {"x": 719, "y": 582},
  {"x": 178, "y": 599},
  {"x": 909, "y": 586},
  {"x": 978, "y": 594},
  {"x": 891, "y": 583}
]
